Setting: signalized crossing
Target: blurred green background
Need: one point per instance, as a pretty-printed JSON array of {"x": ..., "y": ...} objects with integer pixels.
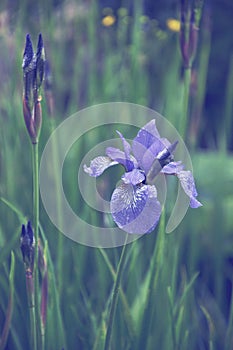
[{"x": 105, "y": 51}]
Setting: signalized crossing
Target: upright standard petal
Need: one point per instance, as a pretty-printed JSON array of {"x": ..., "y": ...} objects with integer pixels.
[
  {"x": 152, "y": 153},
  {"x": 166, "y": 155},
  {"x": 98, "y": 165},
  {"x": 144, "y": 139},
  {"x": 188, "y": 185},
  {"x": 135, "y": 209},
  {"x": 154, "y": 161},
  {"x": 148, "y": 147},
  {"x": 126, "y": 145}
]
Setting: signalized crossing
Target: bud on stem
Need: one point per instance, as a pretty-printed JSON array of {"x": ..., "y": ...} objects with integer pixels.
[
  {"x": 189, "y": 31},
  {"x": 27, "y": 245},
  {"x": 33, "y": 71}
]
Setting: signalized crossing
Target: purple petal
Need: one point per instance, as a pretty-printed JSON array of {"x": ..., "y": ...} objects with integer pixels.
[
  {"x": 188, "y": 185},
  {"x": 166, "y": 153},
  {"x": 167, "y": 143},
  {"x": 98, "y": 165},
  {"x": 144, "y": 139},
  {"x": 148, "y": 145},
  {"x": 133, "y": 177},
  {"x": 172, "y": 168},
  {"x": 157, "y": 156},
  {"x": 115, "y": 154},
  {"x": 135, "y": 209},
  {"x": 158, "y": 152},
  {"x": 129, "y": 164},
  {"x": 126, "y": 145},
  {"x": 147, "y": 131},
  {"x": 146, "y": 156},
  {"x": 119, "y": 156}
]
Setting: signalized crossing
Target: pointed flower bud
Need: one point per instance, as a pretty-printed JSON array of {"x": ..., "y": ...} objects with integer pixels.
[
  {"x": 40, "y": 62},
  {"x": 189, "y": 31},
  {"x": 27, "y": 244},
  {"x": 29, "y": 69},
  {"x": 33, "y": 72}
]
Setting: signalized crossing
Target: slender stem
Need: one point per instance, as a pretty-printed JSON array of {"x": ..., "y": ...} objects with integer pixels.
[
  {"x": 31, "y": 305},
  {"x": 115, "y": 296},
  {"x": 185, "y": 102},
  {"x": 55, "y": 153},
  {"x": 201, "y": 81},
  {"x": 33, "y": 325},
  {"x": 60, "y": 336},
  {"x": 155, "y": 270},
  {"x": 36, "y": 232},
  {"x": 126, "y": 307}
]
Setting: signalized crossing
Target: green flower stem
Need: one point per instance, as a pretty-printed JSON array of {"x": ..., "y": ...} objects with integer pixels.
[
  {"x": 60, "y": 336},
  {"x": 201, "y": 82},
  {"x": 36, "y": 232},
  {"x": 31, "y": 305},
  {"x": 126, "y": 307},
  {"x": 29, "y": 280},
  {"x": 55, "y": 148},
  {"x": 185, "y": 102},
  {"x": 155, "y": 269},
  {"x": 115, "y": 296}
]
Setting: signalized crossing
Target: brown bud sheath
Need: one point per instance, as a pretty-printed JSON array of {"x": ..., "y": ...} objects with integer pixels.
[
  {"x": 184, "y": 42},
  {"x": 30, "y": 288},
  {"x": 44, "y": 298},
  {"x": 37, "y": 119},
  {"x": 188, "y": 34},
  {"x": 29, "y": 121}
]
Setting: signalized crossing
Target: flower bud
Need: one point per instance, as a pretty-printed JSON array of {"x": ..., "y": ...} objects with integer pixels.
[
  {"x": 27, "y": 245},
  {"x": 33, "y": 71},
  {"x": 189, "y": 32},
  {"x": 40, "y": 62},
  {"x": 37, "y": 120}
]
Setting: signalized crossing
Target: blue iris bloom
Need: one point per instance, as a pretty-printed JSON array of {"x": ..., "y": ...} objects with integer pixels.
[{"x": 134, "y": 204}]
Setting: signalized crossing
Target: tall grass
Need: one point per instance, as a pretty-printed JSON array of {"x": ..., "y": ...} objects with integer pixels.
[{"x": 176, "y": 289}]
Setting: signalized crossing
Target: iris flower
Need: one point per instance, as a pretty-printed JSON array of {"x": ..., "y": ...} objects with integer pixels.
[{"x": 134, "y": 205}]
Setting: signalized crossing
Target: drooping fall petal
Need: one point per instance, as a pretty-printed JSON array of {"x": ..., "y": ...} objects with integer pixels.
[
  {"x": 99, "y": 165},
  {"x": 135, "y": 209},
  {"x": 188, "y": 185}
]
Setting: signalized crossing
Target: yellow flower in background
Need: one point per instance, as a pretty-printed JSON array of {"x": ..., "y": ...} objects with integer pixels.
[
  {"x": 173, "y": 24},
  {"x": 108, "y": 20}
]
